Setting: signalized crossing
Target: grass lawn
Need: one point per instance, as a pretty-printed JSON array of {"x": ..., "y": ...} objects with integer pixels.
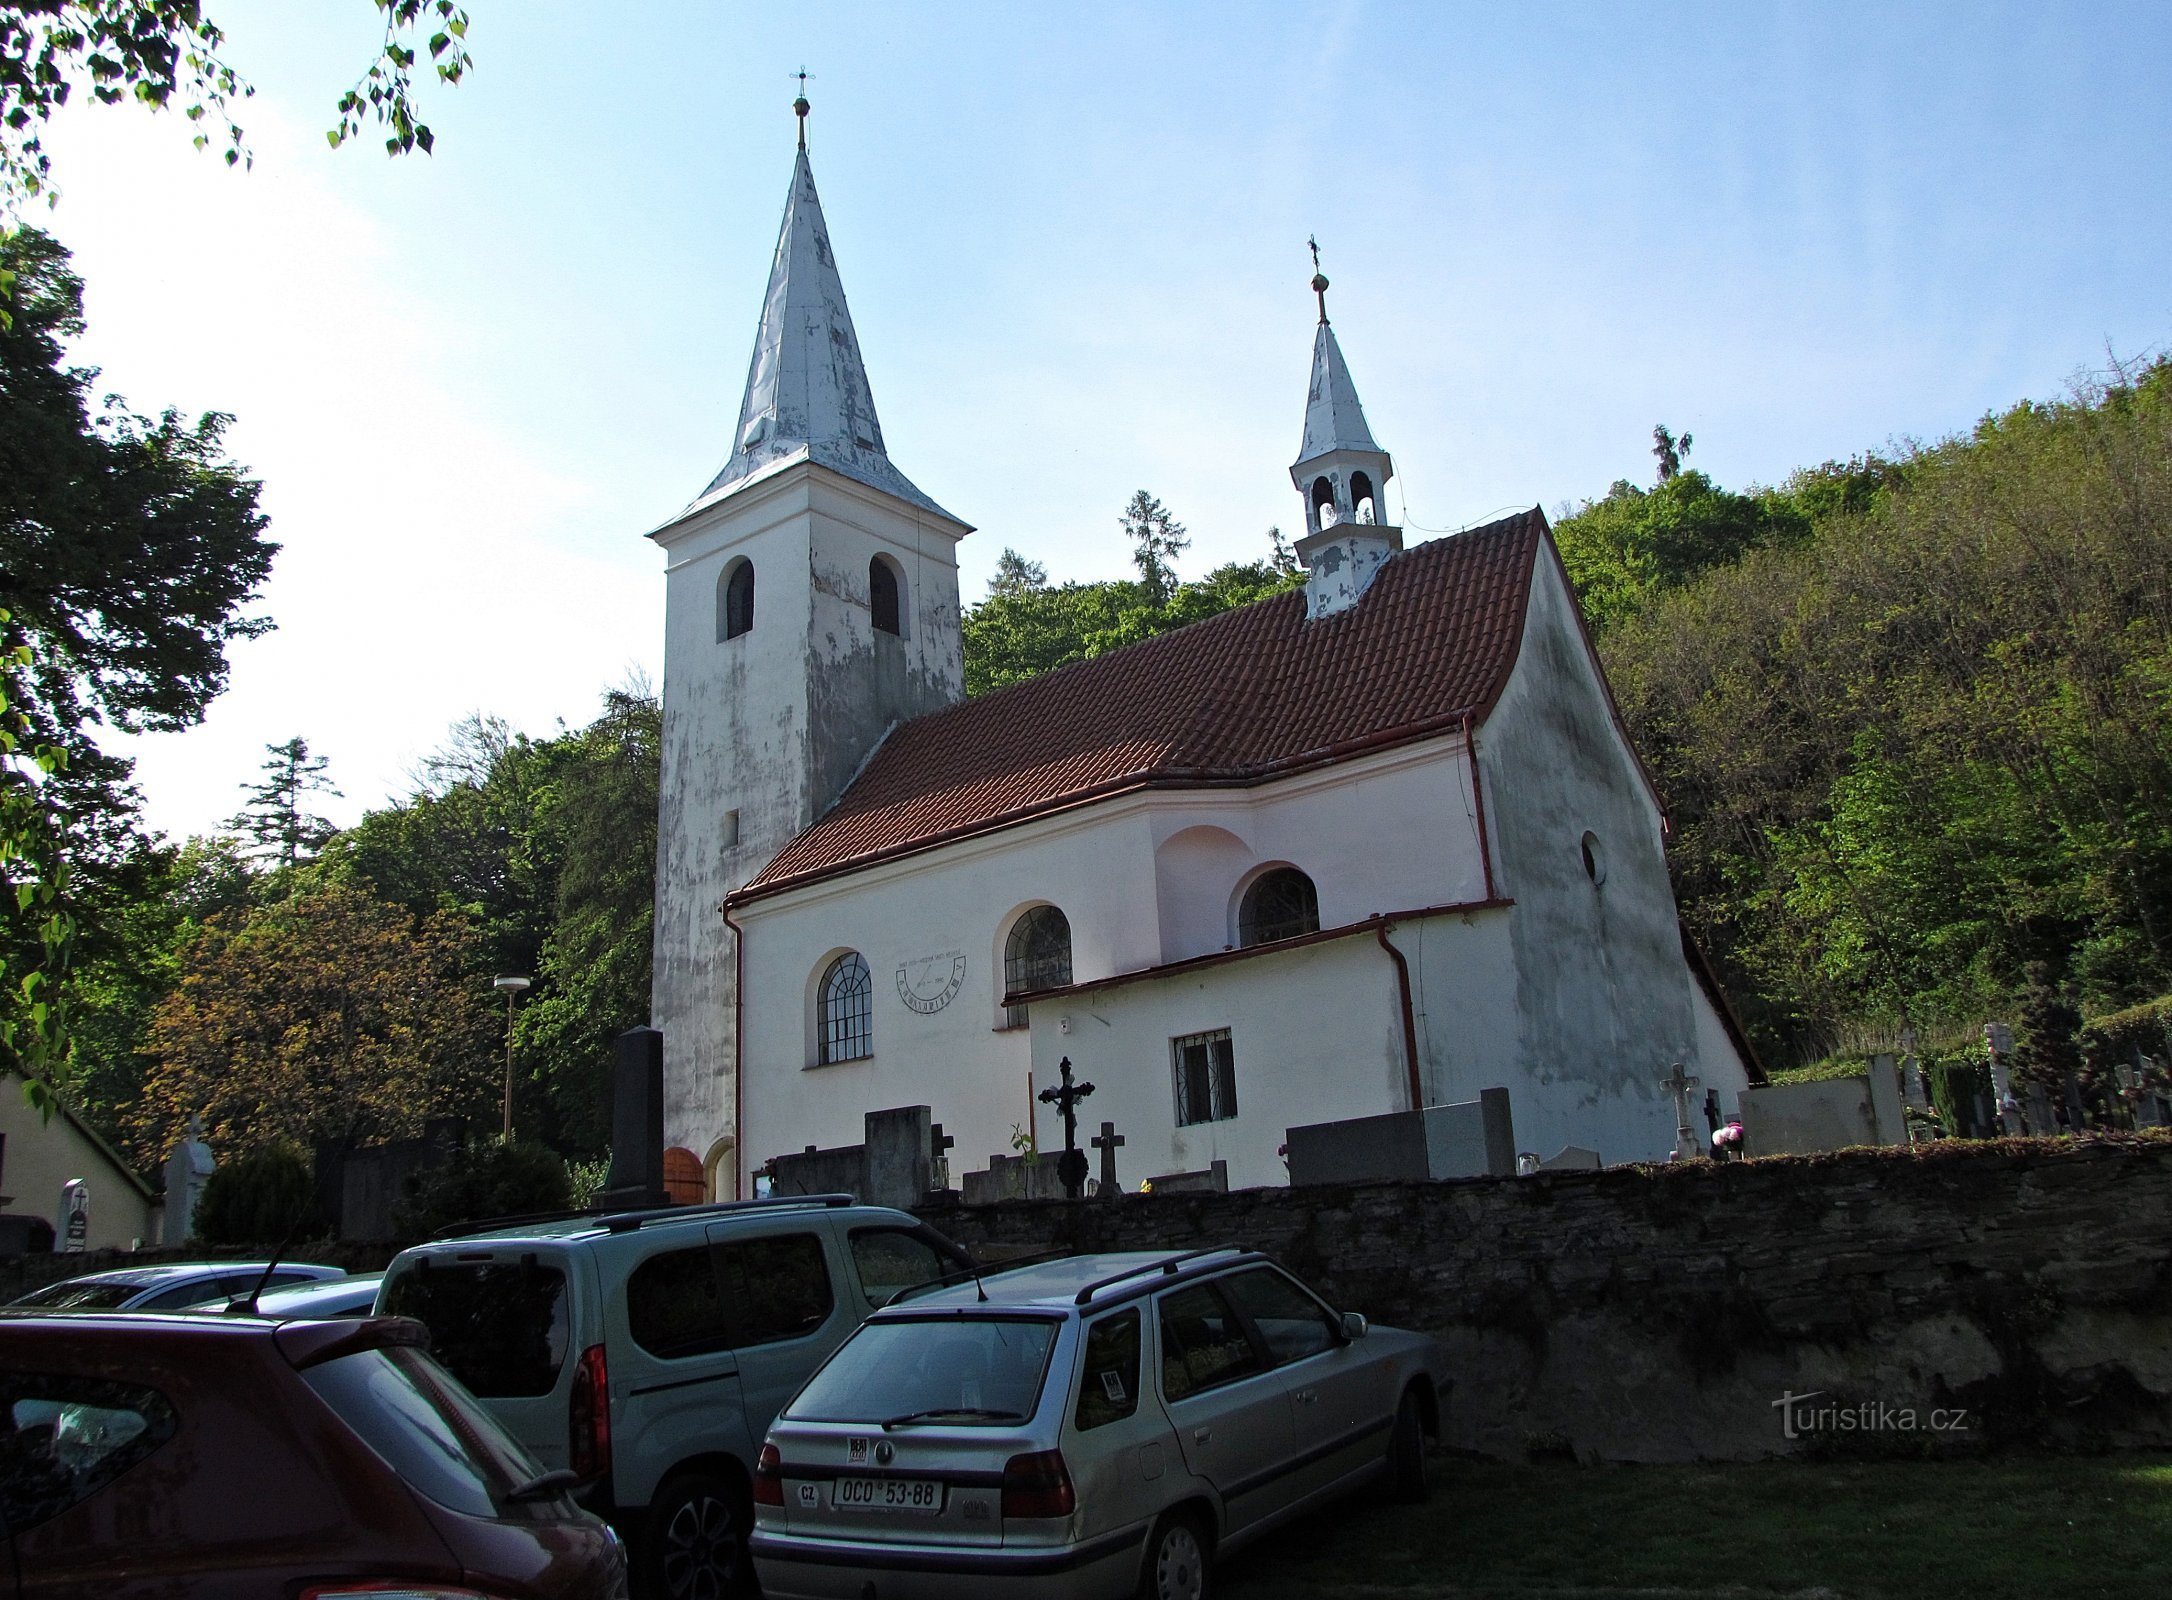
[{"x": 2004, "y": 1530}]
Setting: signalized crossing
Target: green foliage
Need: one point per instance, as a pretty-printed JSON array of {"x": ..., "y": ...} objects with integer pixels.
[
  {"x": 260, "y": 1198},
  {"x": 1910, "y": 717},
  {"x": 274, "y": 820},
  {"x": 166, "y": 53},
  {"x": 1025, "y": 628},
  {"x": 489, "y": 1178}
]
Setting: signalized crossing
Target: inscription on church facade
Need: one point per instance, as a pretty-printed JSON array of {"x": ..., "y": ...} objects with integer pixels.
[{"x": 929, "y": 983}]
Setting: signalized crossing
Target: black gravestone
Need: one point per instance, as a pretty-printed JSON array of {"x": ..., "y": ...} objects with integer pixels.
[{"x": 637, "y": 1120}]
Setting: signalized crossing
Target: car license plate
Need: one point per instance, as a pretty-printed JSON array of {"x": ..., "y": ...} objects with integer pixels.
[{"x": 924, "y": 1495}]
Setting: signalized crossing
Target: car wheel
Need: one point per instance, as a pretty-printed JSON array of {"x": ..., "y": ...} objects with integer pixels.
[
  {"x": 1178, "y": 1562},
  {"x": 694, "y": 1543},
  {"x": 1409, "y": 1469}
]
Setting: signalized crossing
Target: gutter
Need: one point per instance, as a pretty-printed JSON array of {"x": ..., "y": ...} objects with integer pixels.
[
  {"x": 1410, "y": 1021},
  {"x": 739, "y": 1039},
  {"x": 1478, "y": 800},
  {"x": 1173, "y": 969}
]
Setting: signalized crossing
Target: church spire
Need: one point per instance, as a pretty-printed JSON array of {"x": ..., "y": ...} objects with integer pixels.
[
  {"x": 807, "y": 392},
  {"x": 1343, "y": 476}
]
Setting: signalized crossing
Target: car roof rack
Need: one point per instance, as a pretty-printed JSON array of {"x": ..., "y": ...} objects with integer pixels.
[
  {"x": 1167, "y": 1266},
  {"x": 977, "y": 1274},
  {"x": 619, "y": 1221}
]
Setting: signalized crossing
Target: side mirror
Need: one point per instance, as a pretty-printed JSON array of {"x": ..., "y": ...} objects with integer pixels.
[{"x": 1354, "y": 1325}]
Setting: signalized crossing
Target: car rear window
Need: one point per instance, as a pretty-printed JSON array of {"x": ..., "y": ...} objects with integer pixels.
[
  {"x": 437, "y": 1440},
  {"x": 79, "y": 1296},
  {"x": 64, "y": 1437},
  {"x": 500, "y": 1327},
  {"x": 891, "y": 1260},
  {"x": 974, "y": 1370}
]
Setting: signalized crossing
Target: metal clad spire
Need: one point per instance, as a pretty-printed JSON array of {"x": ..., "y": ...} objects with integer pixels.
[
  {"x": 807, "y": 391},
  {"x": 1333, "y": 418}
]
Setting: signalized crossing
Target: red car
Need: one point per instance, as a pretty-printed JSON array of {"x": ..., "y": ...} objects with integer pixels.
[{"x": 184, "y": 1456}]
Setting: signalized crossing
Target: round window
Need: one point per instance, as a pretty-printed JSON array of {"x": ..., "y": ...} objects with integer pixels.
[{"x": 1594, "y": 859}]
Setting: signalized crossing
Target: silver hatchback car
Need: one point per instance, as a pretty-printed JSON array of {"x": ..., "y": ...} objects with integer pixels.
[{"x": 1095, "y": 1426}]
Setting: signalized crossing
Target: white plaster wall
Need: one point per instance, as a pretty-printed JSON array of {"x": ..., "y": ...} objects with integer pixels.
[
  {"x": 1316, "y": 1036},
  {"x": 1718, "y": 1063},
  {"x": 42, "y": 1156},
  {"x": 1604, "y": 993},
  {"x": 1144, "y": 880},
  {"x": 770, "y": 724}
]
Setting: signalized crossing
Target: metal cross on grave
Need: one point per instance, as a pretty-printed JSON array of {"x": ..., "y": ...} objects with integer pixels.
[
  {"x": 1071, "y": 1165},
  {"x": 1108, "y": 1142},
  {"x": 1678, "y": 1083}
]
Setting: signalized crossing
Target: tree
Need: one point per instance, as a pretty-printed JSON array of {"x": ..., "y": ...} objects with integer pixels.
[
  {"x": 326, "y": 1016},
  {"x": 166, "y": 53},
  {"x": 274, "y": 819},
  {"x": 1014, "y": 574},
  {"x": 1157, "y": 539},
  {"x": 1669, "y": 451},
  {"x": 33, "y": 882},
  {"x": 1280, "y": 556}
]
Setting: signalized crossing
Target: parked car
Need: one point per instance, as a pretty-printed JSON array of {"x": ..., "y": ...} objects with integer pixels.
[
  {"x": 648, "y": 1351},
  {"x": 170, "y": 1457},
  {"x": 353, "y": 1296},
  {"x": 170, "y": 1285},
  {"x": 1097, "y": 1426}
]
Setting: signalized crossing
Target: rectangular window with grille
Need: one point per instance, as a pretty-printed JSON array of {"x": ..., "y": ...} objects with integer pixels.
[{"x": 1206, "y": 1077}]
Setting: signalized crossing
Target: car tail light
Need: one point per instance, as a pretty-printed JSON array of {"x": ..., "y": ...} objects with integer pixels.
[
  {"x": 1038, "y": 1485},
  {"x": 589, "y": 1417},
  {"x": 769, "y": 1477}
]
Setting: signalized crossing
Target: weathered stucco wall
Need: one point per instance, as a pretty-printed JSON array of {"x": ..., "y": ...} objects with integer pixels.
[
  {"x": 769, "y": 726},
  {"x": 1603, "y": 990},
  {"x": 1658, "y": 1313},
  {"x": 1143, "y": 880}
]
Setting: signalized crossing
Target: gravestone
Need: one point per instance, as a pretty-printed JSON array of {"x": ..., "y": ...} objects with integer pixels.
[
  {"x": 1470, "y": 1139},
  {"x": 75, "y": 1216},
  {"x": 188, "y": 1169},
  {"x": 1678, "y": 1083},
  {"x": 940, "y": 1144},
  {"x": 1885, "y": 1101},
  {"x": 1108, "y": 1142},
  {"x": 838, "y": 1170},
  {"x": 1571, "y": 1158},
  {"x": 2043, "y": 1120},
  {"x": 636, "y": 1178},
  {"x": 1012, "y": 1178},
  {"x": 1802, "y": 1119},
  {"x": 1913, "y": 1088},
  {"x": 899, "y": 1158},
  {"x": 1214, "y": 1180}
]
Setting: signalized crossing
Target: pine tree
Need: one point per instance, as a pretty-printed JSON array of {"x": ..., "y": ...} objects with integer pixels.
[
  {"x": 274, "y": 820},
  {"x": 1157, "y": 539},
  {"x": 1014, "y": 574},
  {"x": 2049, "y": 1046}
]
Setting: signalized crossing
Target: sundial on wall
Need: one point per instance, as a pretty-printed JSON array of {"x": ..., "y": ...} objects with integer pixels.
[{"x": 929, "y": 983}]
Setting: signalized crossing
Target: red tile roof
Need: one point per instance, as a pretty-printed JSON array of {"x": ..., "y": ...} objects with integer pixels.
[{"x": 1248, "y": 695}]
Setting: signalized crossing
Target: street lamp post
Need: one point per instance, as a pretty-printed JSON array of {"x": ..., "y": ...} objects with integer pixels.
[{"x": 512, "y": 988}]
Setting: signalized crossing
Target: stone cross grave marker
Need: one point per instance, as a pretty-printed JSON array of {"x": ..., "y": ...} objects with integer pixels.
[
  {"x": 938, "y": 1143},
  {"x": 1071, "y": 1165},
  {"x": 1678, "y": 1083},
  {"x": 1108, "y": 1142}
]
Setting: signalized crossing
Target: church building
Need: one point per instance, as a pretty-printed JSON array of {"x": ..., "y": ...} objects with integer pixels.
[{"x": 1372, "y": 845}]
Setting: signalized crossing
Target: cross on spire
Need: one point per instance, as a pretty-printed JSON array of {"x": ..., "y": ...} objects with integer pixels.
[
  {"x": 1319, "y": 278},
  {"x": 800, "y": 108}
]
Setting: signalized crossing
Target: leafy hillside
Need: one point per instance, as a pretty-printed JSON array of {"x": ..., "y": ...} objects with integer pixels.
[{"x": 1910, "y": 717}]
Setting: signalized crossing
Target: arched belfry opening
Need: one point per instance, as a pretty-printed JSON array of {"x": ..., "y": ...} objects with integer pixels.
[
  {"x": 884, "y": 590},
  {"x": 1324, "y": 511},
  {"x": 1361, "y": 499},
  {"x": 735, "y": 600}
]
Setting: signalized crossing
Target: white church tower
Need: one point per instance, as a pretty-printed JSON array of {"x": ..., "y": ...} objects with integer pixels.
[
  {"x": 811, "y": 604},
  {"x": 1343, "y": 477}
]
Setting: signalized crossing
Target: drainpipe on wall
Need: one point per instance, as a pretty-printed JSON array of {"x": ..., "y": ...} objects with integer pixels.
[
  {"x": 739, "y": 1063},
  {"x": 1410, "y": 1021},
  {"x": 1478, "y": 800}
]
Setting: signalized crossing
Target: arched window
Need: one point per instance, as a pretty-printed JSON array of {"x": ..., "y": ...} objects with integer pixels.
[
  {"x": 1361, "y": 498},
  {"x": 1037, "y": 955},
  {"x": 1280, "y": 905},
  {"x": 845, "y": 1009},
  {"x": 1324, "y": 514},
  {"x": 882, "y": 595},
  {"x": 735, "y": 600}
]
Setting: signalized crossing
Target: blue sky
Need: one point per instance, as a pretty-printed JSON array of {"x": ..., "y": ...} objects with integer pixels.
[{"x": 1073, "y": 239}]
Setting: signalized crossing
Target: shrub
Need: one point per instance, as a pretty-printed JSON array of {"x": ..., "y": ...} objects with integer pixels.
[
  {"x": 487, "y": 1178},
  {"x": 261, "y": 1198}
]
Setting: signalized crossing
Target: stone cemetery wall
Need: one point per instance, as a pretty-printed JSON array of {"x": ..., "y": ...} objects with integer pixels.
[{"x": 1957, "y": 1297}]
